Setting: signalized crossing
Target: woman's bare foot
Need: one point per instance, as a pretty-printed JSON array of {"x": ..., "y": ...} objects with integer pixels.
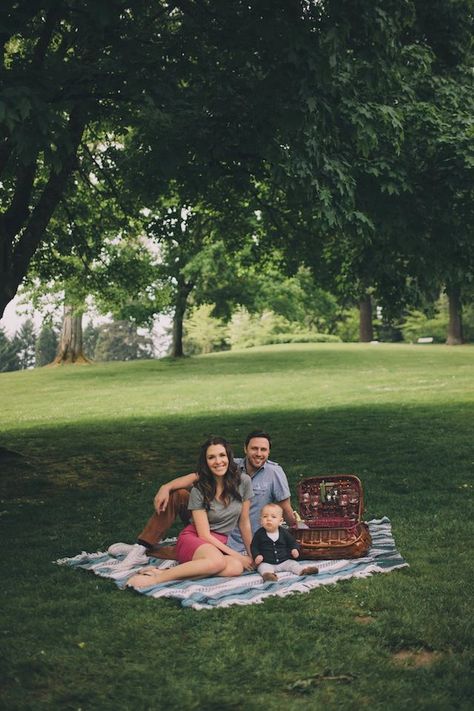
[{"x": 150, "y": 576}]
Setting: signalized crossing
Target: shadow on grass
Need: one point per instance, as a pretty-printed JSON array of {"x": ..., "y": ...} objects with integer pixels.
[
  {"x": 76, "y": 641},
  {"x": 413, "y": 455}
]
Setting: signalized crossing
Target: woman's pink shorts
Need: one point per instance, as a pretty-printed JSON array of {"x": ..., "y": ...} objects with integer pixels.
[{"x": 188, "y": 542}]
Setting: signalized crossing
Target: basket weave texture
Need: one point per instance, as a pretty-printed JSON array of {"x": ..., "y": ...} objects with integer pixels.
[{"x": 331, "y": 509}]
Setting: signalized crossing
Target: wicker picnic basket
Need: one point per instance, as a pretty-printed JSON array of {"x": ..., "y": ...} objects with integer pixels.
[{"x": 331, "y": 509}]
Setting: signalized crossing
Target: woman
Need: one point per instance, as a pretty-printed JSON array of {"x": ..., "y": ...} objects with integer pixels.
[{"x": 219, "y": 500}]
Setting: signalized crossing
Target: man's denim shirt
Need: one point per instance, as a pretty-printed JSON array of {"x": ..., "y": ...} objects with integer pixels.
[{"x": 270, "y": 485}]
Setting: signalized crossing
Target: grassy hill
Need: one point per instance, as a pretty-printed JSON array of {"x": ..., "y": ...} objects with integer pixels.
[{"x": 87, "y": 448}]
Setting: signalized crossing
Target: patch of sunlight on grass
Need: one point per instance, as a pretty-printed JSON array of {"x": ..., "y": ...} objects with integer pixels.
[{"x": 295, "y": 376}]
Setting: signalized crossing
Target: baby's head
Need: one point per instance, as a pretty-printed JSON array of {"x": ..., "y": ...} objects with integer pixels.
[{"x": 271, "y": 516}]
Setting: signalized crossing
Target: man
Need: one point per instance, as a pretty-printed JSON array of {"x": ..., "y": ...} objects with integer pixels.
[{"x": 269, "y": 484}]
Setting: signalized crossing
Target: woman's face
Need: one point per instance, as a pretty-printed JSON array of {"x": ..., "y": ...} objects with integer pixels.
[{"x": 217, "y": 459}]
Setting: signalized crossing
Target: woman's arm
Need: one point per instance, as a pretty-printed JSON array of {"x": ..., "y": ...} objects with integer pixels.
[
  {"x": 163, "y": 494},
  {"x": 244, "y": 525},
  {"x": 246, "y": 531},
  {"x": 201, "y": 523}
]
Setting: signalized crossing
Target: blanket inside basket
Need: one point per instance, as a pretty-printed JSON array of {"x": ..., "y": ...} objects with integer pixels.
[{"x": 248, "y": 589}]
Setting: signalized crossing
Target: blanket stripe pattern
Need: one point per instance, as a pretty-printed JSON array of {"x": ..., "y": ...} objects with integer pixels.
[{"x": 249, "y": 588}]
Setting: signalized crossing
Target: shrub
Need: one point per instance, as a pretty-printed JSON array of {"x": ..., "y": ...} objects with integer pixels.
[
  {"x": 348, "y": 327},
  {"x": 302, "y": 337},
  {"x": 248, "y": 330},
  {"x": 204, "y": 333},
  {"x": 418, "y": 325}
]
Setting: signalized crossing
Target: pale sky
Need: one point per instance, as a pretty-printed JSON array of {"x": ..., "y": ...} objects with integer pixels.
[{"x": 12, "y": 321}]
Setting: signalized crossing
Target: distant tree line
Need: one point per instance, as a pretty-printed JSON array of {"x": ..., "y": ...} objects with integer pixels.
[
  {"x": 272, "y": 308},
  {"x": 27, "y": 348},
  {"x": 295, "y": 313}
]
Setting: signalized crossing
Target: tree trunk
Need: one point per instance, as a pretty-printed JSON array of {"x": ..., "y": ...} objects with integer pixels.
[
  {"x": 70, "y": 343},
  {"x": 455, "y": 334},
  {"x": 366, "y": 331},
  {"x": 178, "y": 320}
]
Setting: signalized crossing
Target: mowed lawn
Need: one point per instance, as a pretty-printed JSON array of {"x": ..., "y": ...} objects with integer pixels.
[{"x": 87, "y": 448}]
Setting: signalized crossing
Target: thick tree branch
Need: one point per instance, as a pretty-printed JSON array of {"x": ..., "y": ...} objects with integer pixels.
[
  {"x": 44, "y": 39},
  {"x": 5, "y": 151},
  {"x": 33, "y": 233},
  {"x": 109, "y": 182},
  {"x": 18, "y": 212}
]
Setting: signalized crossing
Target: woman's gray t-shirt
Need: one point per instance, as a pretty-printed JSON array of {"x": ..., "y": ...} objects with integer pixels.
[{"x": 222, "y": 519}]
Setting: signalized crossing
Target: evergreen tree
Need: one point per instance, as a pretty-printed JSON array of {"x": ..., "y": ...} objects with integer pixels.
[
  {"x": 8, "y": 353},
  {"x": 46, "y": 345},
  {"x": 89, "y": 339},
  {"x": 25, "y": 341},
  {"x": 119, "y": 340}
]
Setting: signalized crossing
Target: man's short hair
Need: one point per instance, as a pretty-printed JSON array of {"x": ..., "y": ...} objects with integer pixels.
[{"x": 258, "y": 433}]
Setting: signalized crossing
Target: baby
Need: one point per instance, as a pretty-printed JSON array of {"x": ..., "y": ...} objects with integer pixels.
[{"x": 274, "y": 549}]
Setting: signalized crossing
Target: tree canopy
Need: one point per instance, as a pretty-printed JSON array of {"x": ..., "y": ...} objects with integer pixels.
[
  {"x": 72, "y": 68},
  {"x": 345, "y": 126}
]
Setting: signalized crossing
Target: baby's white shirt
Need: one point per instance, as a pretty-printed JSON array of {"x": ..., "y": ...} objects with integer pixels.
[{"x": 273, "y": 536}]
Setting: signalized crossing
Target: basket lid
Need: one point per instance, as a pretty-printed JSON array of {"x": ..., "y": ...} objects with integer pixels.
[{"x": 330, "y": 496}]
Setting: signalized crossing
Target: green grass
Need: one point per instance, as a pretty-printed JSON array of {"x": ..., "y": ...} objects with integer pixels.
[{"x": 96, "y": 442}]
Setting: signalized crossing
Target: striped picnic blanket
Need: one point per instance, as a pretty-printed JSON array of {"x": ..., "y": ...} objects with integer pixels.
[{"x": 249, "y": 588}]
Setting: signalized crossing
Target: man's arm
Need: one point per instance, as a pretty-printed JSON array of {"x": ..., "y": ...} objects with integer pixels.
[
  {"x": 162, "y": 496},
  {"x": 281, "y": 493},
  {"x": 288, "y": 513}
]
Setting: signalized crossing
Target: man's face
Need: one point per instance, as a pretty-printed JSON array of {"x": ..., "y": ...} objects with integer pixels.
[{"x": 257, "y": 452}]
